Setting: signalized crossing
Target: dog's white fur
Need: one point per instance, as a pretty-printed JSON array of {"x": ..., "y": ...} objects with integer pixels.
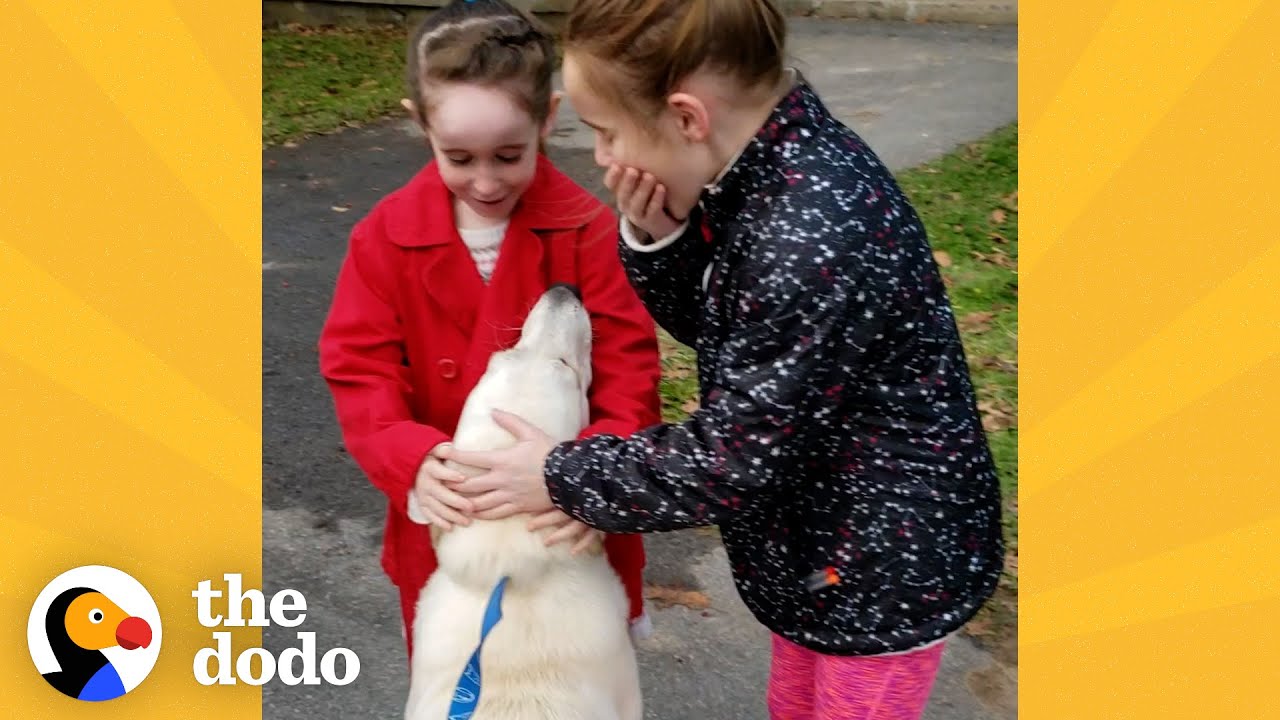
[{"x": 562, "y": 650}]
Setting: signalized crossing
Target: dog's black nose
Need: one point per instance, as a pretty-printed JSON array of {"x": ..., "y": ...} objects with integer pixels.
[{"x": 571, "y": 288}]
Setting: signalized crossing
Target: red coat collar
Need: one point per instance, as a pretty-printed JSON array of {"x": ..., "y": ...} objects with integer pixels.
[{"x": 423, "y": 215}]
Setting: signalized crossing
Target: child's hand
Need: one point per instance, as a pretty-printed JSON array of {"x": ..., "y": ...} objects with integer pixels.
[
  {"x": 566, "y": 530},
  {"x": 440, "y": 505},
  {"x": 642, "y": 200}
]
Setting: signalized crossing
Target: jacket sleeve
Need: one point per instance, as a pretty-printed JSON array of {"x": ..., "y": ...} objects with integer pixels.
[
  {"x": 772, "y": 374},
  {"x": 667, "y": 276},
  {"x": 624, "y": 359},
  {"x": 362, "y": 358}
]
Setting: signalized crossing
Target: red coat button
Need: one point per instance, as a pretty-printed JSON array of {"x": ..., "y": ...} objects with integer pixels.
[{"x": 448, "y": 369}]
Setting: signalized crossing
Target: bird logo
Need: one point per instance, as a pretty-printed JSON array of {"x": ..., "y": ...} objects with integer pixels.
[{"x": 94, "y": 633}]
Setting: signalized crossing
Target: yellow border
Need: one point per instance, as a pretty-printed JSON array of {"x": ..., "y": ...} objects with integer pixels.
[
  {"x": 1150, "y": 346},
  {"x": 130, "y": 321}
]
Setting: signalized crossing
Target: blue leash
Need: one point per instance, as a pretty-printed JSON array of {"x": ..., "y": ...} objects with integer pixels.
[{"x": 467, "y": 693}]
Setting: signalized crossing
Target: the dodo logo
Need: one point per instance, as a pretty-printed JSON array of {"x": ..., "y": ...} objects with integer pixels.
[{"x": 94, "y": 633}]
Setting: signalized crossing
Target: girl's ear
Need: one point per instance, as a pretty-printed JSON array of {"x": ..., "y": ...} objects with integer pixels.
[
  {"x": 550, "y": 123},
  {"x": 693, "y": 121}
]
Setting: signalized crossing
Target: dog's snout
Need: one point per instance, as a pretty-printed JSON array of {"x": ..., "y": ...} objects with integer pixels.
[{"x": 577, "y": 294}]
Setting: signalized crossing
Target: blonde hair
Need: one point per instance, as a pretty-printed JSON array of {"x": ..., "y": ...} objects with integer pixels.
[
  {"x": 485, "y": 42},
  {"x": 643, "y": 49}
]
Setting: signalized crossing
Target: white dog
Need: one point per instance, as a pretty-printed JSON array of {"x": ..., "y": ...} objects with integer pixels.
[{"x": 561, "y": 650}]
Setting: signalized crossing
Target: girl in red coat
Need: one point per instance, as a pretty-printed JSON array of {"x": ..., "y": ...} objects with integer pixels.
[{"x": 442, "y": 272}]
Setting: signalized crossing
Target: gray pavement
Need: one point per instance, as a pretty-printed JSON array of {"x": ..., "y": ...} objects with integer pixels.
[{"x": 912, "y": 91}]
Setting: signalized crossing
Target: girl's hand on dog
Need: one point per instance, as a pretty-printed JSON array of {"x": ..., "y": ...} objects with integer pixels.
[
  {"x": 642, "y": 200},
  {"x": 566, "y": 530},
  {"x": 513, "y": 483},
  {"x": 441, "y": 506}
]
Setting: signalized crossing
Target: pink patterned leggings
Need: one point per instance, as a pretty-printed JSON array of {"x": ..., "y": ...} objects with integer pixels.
[{"x": 806, "y": 685}]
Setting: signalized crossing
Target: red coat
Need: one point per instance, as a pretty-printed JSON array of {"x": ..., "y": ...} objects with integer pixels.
[{"x": 412, "y": 327}]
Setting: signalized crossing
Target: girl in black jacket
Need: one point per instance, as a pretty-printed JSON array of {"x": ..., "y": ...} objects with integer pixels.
[{"x": 838, "y": 444}]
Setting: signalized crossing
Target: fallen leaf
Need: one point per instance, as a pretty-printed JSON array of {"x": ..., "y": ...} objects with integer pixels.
[
  {"x": 996, "y": 415},
  {"x": 691, "y": 405},
  {"x": 956, "y": 196},
  {"x": 1011, "y": 563},
  {"x": 976, "y": 322},
  {"x": 958, "y": 228},
  {"x": 339, "y": 208},
  {"x": 999, "y": 258},
  {"x": 980, "y": 627},
  {"x": 996, "y": 423},
  {"x": 942, "y": 258},
  {"x": 997, "y": 237},
  {"x": 998, "y": 363},
  {"x": 998, "y": 216},
  {"x": 291, "y": 144},
  {"x": 664, "y": 597},
  {"x": 1012, "y": 201},
  {"x": 678, "y": 372}
]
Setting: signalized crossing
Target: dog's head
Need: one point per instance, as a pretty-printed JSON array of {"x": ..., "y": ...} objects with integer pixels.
[
  {"x": 558, "y": 330},
  {"x": 553, "y": 355}
]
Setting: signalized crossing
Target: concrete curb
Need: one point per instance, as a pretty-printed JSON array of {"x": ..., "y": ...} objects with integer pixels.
[
  {"x": 979, "y": 12},
  {"x": 409, "y": 12}
]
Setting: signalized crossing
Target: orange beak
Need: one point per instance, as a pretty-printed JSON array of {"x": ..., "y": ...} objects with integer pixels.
[{"x": 133, "y": 632}]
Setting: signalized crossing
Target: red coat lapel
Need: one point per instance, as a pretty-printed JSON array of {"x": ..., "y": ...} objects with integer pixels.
[{"x": 490, "y": 315}]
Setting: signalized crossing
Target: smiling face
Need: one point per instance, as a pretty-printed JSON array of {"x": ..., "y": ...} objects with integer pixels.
[{"x": 487, "y": 149}]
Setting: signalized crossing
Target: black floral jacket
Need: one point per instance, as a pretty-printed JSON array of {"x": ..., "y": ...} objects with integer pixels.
[{"x": 838, "y": 445}]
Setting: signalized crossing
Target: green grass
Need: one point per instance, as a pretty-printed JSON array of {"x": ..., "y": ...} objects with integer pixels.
[
  {"x": 679, "y": 386},
  {"x": 315, "y": 81}
]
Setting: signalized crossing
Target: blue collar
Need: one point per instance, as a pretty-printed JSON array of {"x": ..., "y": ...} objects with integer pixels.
[{"x": 467, "y": 693}]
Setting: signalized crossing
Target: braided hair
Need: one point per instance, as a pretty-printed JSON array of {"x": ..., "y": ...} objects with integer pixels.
[{"x": 485, "y": 42}]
